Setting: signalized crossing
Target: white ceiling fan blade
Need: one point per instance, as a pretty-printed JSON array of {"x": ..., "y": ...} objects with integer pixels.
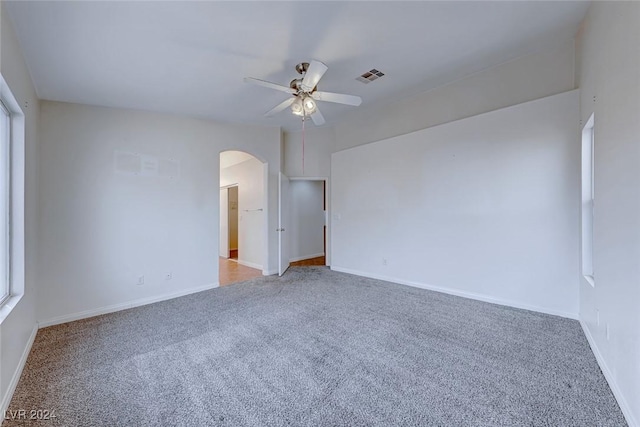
[
  {"x": 284, "y": 104},
  {"x": 317, "y": 117},
  {"x": 339, "y": 98},
  {"x": 313, "y": 75},
  {"x": 269, "y": 85}
]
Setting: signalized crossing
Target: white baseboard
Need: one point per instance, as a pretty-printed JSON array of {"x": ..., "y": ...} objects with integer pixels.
[
  {"x": 123, "y": 306},
  {"x": 250, "y": 264},
  {"x": 269, "y": 272},
  {"x": 302, "y": 258},
  {"x": 459, "y": 293},
  {"x": 622, "y": 402},
  {"x": 18, "y": 372}
]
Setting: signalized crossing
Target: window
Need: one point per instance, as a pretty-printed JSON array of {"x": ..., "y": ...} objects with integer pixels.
[
  {"x": 588, "y": 145},
  {"x": 12, "y": 152},
  {"x": 5, "y": 203}
]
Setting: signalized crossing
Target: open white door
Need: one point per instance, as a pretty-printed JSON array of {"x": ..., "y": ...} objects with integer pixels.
[
  {"x": 224, "y": 222},
  {"x": 283, "y": 224}
]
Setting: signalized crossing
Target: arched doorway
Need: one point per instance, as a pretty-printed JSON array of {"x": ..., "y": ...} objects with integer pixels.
[{"x": 243, "y": 217}]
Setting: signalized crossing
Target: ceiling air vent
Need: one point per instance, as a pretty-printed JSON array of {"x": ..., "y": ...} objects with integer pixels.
[{"x": 370, "y": 76}]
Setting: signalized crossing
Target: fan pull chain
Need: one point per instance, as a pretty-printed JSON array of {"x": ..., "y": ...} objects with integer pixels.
[{"x": 303, "y": 145}]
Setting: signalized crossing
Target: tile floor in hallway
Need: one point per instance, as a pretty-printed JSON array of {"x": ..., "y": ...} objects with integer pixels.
[{"x": 233, "y": 272}]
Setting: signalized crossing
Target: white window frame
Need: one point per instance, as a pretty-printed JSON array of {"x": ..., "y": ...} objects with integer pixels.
[
  {"x": 588, "y": 198},
  {"x": 5, "y": 203},
  {"x": 14, "y": 202}
]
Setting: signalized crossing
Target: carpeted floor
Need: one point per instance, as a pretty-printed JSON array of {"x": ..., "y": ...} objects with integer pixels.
[{"x": 317, "y": 348}]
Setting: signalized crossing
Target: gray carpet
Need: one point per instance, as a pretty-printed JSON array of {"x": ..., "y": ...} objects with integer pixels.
[{"x": 317, "y": 348}]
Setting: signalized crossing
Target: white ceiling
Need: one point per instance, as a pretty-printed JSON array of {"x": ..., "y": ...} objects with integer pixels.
[{"x": 190, "y": 57}]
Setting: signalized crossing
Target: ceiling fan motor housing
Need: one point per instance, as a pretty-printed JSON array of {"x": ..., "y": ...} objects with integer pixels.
[
  {"x": 295, "y": 84},
  {"x": 302, "y": 67}
]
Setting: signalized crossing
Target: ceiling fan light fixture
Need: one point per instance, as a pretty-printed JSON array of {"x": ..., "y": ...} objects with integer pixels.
[
  {"x": 309, "y": 105},
  {"x": 297, "y": 107},
  {"x": 303, "y": 106}
]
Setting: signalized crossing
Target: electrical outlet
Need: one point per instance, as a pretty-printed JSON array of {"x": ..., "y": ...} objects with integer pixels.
[
  {"x": 168, "y": 275},
  {"x": 140, "y": 280}
]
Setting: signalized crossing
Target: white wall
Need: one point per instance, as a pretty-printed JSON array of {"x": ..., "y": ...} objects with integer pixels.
[
  {"x": 17, "y": 329},
  {"x": 249, "y": 175},
  {"x": 609, "y": 78},
  {"x": 306, "y": 221},
  {"x": 102, "y": 229},
  {"x": 484, "y": 207},
  {"x": 318, "y": 146}
]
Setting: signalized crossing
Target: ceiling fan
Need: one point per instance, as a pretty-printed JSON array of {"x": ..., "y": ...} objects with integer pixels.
[{"x": 305, "y": 93}]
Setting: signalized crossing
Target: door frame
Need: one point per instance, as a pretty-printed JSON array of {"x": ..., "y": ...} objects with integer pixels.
[
  {"x": 228, "y": 251},
  {"x": 327, "y": 216},
  {"x": 284, "y": 211}
]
